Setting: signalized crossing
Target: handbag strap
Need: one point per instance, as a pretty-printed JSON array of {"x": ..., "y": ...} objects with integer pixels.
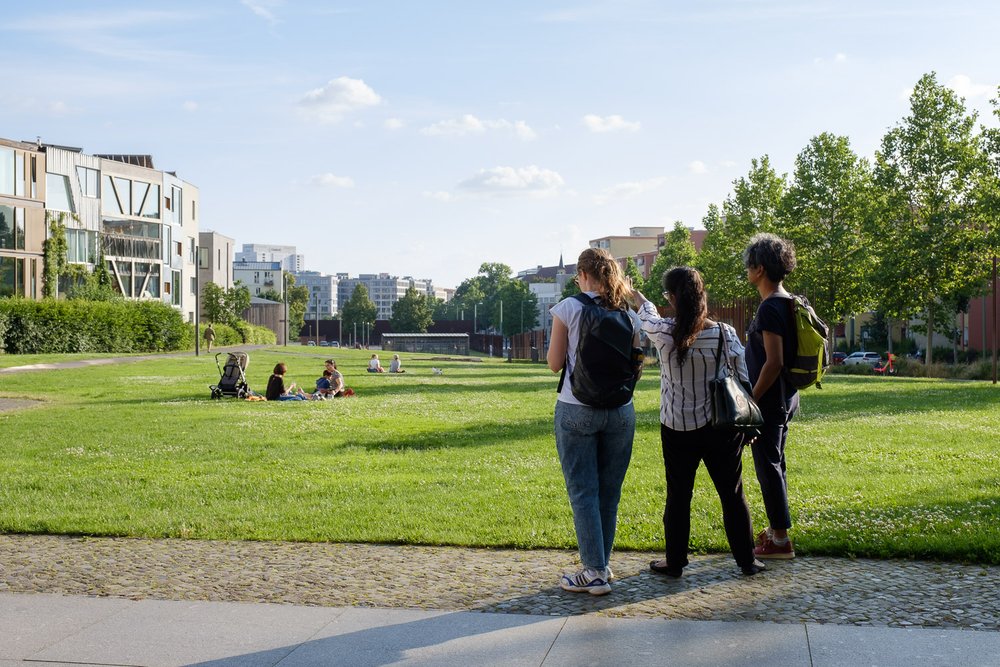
[{"x": 722, "y": 353}]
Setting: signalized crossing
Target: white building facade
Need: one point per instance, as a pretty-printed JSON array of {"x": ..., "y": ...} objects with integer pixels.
[
  {"x": 286, "y": 255},
  {"x": 323, "y": 293},
  {"x": 258, "y": 276}
]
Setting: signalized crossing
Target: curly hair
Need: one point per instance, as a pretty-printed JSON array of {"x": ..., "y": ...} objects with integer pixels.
[
  {"x": 775, "y": 254},
  {"x": 602, "y": 267},
  {"x": 690, "y": 304}
]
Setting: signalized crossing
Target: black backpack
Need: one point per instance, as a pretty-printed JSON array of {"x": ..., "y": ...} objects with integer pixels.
[{"x": 604, "y": 373}]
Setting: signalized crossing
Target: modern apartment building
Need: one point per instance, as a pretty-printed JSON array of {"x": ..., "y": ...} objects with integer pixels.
[
  {"x": 324, "y": 299},
  {"x": 258, "y": 276},
  {"x": 263, "y": 252},
  {"x": 215, "y": 259},
  {"x": 141, "y": 220},
  {"x": 384, "y": 290},
  {"x": 639, "y": 240},
  {"x": 22, "y": 218}
]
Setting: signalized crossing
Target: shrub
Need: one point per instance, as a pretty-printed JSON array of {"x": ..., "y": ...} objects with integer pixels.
[
  {"x": 61, "y": 326},
  {"x": 242, "y": 334},
  {"x": 4, "y": 323}
]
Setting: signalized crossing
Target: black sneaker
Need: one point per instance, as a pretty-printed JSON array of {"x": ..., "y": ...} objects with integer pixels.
[{"x": 753, "y": 568}]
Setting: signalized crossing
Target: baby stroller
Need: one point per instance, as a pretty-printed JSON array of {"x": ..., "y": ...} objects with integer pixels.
[{"x": 233, "y": 381}]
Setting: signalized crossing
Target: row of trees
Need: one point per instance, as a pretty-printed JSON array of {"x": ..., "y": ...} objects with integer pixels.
[
  {"x": 492, "y": 299},
  {"x": 911, "y": 236}
]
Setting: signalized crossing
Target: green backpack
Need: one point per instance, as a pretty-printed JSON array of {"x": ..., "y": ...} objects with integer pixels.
[{"x": 812, "y": 350}]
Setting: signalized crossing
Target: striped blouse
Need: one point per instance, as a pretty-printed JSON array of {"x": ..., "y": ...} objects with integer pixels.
[{"x": 684, "y": 397}]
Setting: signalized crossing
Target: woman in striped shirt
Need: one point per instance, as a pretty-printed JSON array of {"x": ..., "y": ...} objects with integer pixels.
[{"x": 687, "y": 345}]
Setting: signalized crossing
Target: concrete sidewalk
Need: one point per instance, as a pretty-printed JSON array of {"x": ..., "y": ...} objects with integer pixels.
[{"x": 63, "y": 630}]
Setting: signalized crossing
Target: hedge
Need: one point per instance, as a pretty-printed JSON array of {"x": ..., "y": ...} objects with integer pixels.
[
  {"x": 65, "y": 326},
  {"x": 244, "y": 334}
]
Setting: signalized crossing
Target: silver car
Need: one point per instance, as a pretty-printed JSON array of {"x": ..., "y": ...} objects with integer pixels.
[{"x": 857, "y": 358}]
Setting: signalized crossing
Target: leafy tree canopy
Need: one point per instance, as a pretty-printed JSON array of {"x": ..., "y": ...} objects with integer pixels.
[{"x": 411, "y": 313}]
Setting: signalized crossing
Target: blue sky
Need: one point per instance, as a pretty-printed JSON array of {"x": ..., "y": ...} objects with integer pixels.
[{"x": 423, "y": 138}]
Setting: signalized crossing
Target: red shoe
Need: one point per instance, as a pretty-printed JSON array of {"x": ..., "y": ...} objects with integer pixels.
[
  {"x": 762, "y": 537},
  {"x": 776, "y": 551}
]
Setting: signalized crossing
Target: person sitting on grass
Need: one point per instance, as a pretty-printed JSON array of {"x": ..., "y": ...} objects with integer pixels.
[
  {"x": 337, "y": 380},
  {"x": 276, "y": 390},
  {"x": 374, "y": 366},
  {"x": 396, "y": 366},
  {"x": 324, "y": 385}
]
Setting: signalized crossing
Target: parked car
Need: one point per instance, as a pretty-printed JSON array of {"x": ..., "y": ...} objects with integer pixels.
[
  {"x": 334, "y": 343},
  {"x": 838, "y": 358},
  {"x": 858, "y": 358}
]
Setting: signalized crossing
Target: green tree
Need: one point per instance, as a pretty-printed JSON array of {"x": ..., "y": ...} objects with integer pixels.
[
  {"x": 632, "y": 271},
  {"x": 411, "y": 313},
  {"x": 520, "y": 307},
  {"x": 225, "y": 306},
  {"x": 932, "y": 243},
  {"x": 677, "y": 250},
  {"x": 54, "y": 255},
  {"x": 359, "y": 310},
  {"x": 570, "y": 288},
  {"x": 827, "y": 208},
  {"x": 754, "y": 206},
  {"x": 298, "y": 301}
]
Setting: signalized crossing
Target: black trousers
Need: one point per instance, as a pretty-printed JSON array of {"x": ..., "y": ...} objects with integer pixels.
[{"x": 722, "y": 452}]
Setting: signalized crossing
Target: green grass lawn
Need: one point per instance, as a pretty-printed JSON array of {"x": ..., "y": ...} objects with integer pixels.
[{"x": 877, "y": 466}]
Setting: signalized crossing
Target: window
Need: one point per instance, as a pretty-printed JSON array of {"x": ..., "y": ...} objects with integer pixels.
[
  {"x": 6, "y": 171},
  {"x": 11, "y": 227},
  {"x": 11, "y": 268},
  {"x": 89, "y": 179},
  {"x": 34, "y": 178},
  {"x": 58, "y": 197},
  {"x": 123, "y": 188},
  {"x": 193, "y": 217},
  {"x": 202, "y": 257},
  {"x": 145, "y": 199},
  {"x": 175, "y": 294},
  {"x": 194, "y": 286},
  {"x": 19, "y": 174}
]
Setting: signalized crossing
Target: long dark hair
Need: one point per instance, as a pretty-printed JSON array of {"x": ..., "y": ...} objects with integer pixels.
[{"x": 690, "y": 304}]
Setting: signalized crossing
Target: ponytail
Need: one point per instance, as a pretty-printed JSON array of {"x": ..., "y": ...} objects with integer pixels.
[
  {"x": 690, "y": 304},
  {"x": 602, "y": 268}
]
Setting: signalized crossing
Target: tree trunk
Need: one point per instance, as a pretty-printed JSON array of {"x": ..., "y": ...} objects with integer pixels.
[{"x": 928, "y": 353}]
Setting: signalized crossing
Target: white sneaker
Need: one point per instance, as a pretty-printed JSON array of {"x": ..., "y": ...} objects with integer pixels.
[
  {"x": 587, "y": 580},
  {"x": 609, "y": 576}
]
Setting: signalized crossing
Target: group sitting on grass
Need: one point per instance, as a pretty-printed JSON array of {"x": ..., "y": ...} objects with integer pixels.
[{"x": 331, "y": 385}]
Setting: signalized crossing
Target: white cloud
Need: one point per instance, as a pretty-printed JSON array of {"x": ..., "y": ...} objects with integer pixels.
[
  {"x": 439, "y": 196},
  {"x": 614, "y": 123},
  {"x": 513, "y": 180},
  {"x": 964, "y": 86},
  {"x": 263, "y": 8},
  {"x": 697, "y": 167},
  {"x": 332, "y": 181},
  {"x": 340, "y": 96},
  {"x": 468, "y": 124},
  {"x": 393, "y": 123},
  {"x": 190, "y": 106},
  {"x": 628, "y": 190},
  {"x": 840, "y": 58}
]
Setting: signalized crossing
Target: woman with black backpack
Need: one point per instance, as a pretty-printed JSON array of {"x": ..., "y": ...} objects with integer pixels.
[{"x": 594, "y": 340}]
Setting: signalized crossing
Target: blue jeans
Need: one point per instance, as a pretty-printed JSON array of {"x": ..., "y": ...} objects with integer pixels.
[{"x": 595, "y": 447}]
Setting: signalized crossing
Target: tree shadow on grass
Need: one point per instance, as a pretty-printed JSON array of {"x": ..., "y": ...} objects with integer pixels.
[{"x": 488, "y": 434}]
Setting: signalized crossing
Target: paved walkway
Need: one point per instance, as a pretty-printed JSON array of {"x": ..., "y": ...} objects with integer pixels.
[{"x": 172, "y": 602}]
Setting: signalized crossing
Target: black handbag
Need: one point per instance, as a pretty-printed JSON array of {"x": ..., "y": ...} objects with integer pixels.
[{"x": 733, "y": 407}]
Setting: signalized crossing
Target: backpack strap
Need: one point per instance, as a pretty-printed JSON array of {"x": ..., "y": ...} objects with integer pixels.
[{"x": 586, "y": 300}]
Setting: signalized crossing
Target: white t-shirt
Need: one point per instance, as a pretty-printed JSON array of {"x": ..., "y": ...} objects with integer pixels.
[
  {"x": 568, "y": 311},
  {"x": 373, "y": 364}
]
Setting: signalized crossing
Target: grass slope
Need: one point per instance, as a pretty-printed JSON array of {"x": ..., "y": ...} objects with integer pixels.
[{"x": 877, "y": 466}]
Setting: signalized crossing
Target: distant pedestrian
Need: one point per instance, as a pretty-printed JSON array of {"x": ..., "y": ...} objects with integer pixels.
[
  {"x": 768, "y": 259},
  {"x": 594, "y": 443},
  {"x": 209, "y": 336},
  {"x": 691, "y": 349},
  {"x": 374, "y": 365}
]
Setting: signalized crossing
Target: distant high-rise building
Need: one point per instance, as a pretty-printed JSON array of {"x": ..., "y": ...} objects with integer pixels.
[
  {"x": 323, "y": 293},
  {"x": 263, "y": 252}
]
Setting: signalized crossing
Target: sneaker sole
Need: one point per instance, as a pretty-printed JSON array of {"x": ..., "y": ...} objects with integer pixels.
[
  {"x": 593, "y": 590},
  {"x": 777, "y": 556}
]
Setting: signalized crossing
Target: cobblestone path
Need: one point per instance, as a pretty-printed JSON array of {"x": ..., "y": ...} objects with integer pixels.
[{"x": 808, "y": 589}]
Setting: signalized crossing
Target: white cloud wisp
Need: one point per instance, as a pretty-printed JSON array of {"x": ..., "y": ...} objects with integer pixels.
[{"x": 338, "y": 98}]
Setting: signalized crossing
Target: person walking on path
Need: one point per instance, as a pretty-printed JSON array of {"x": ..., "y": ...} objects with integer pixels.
[
  {"x": 209, "y": 336},
  {"x": 594, "y": 443},
  {"x": 771, "y": 339},
  {"x": 688, "y": 345}
]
